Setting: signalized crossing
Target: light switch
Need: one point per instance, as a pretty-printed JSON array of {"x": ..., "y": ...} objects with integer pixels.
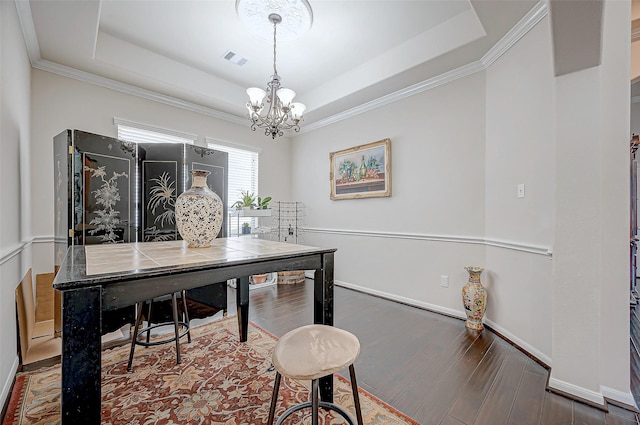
[{"x": 521, "y": 190}]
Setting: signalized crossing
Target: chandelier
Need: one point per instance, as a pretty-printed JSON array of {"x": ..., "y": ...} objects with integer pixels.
[{"x": 281, "y": 112}]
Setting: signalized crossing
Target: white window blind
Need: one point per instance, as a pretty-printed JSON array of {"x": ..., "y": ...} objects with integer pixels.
[
  {"x": 242, "y": 172},
  {"x": 143, "y": 133}
]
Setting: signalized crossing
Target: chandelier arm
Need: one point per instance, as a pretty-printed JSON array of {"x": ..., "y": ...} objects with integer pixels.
[{"x": 260, "y": 122}]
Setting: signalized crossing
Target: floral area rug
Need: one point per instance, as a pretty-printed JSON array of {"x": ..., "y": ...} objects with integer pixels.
[{"x": 220, "y": 381}]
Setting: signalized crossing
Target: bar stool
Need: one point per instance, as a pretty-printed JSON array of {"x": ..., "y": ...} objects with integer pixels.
[
  {"x": 309, "y": 353},
  {"x": 137, "y": 332}
]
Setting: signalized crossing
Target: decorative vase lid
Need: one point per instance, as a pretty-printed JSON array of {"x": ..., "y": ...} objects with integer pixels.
[{"x": 474, "y": 269}]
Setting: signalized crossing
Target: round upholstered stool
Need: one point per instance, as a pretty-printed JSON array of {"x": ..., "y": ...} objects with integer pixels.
[
  {"x": 177, "y": 324},
  {"x": 309, "y": 353}
]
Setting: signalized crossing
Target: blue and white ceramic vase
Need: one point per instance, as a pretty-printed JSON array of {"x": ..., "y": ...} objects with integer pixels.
[{"x": 199, "y": 212}]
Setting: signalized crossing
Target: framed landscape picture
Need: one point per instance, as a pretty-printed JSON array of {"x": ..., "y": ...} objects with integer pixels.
[{"x": 362, "y": 171}]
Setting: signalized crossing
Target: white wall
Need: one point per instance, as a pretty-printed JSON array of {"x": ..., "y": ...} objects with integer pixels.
[
  {"x": 614, "y": 277},
  {"x": 15, "y": 169},
  {"x": 437, "y": 144},
  {"x": 592, "y": 216},
  {"x": 459, "y": 152},
  {"x": 591, "y": 257},
  {"x": 520, "y": 149},
  {"x": 60, "y": 103}
]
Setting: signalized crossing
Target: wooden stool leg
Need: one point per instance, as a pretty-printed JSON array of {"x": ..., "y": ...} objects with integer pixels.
[
  {"x": 139, "y": 306},
  {"x": 274, "y": 399},
  {"x": 356, "y": 397},
  {"x": 315, "y": 405},
  {"x": 186, "y": 314},
  {"x": 174, "y": 304}
]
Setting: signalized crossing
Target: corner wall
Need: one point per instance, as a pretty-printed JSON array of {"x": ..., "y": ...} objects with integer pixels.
[
  {"x": 459, "y": 151},
  {"x": 520, "y": 143},
  {"x": 555, "y": 259},
  {"x": 591, "y": 260},
  {"x": 15, "y": 170}
]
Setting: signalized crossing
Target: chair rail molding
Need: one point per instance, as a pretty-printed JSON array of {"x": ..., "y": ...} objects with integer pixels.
[
  {"x": 474, "y": 240},
  {"x": 17, "y": 249},
  {"x": 7, "y": 254}
]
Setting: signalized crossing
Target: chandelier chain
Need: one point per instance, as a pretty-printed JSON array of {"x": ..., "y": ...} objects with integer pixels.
[{"x": 275, "y": 71}]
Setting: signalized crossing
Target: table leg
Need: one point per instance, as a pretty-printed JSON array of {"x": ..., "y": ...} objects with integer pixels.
[
  {"x": 81, "y": 356},
  {"x": 323, "y": 312},
  {"x": 242, "y": 303}
]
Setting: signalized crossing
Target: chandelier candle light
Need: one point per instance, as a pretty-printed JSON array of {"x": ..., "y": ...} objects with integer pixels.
[{"x": 282, "y": 113}]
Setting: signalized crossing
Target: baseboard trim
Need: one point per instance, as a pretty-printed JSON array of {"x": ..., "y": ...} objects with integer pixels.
[
  {"x": 458, "y": 314},
  {"x": 571, "y": 391},
  {"x": 619, "y": 398},
  {"x": 592, "y": 398},
  {"x": 8, "y": 385},
  {"x": 522, "y": 345}
]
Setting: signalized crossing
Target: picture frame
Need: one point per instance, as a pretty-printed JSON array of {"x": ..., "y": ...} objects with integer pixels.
[{"x": 362, "y": 171}]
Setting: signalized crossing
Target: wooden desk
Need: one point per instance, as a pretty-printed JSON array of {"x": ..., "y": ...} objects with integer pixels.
[{"x": 95, "y": 278}]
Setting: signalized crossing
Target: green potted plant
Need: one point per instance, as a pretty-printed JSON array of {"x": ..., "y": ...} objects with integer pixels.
[
  {"x": 247, "y": 200},
  {"x": 263, "y": 203},
  {"x": 246, "y": 230}
]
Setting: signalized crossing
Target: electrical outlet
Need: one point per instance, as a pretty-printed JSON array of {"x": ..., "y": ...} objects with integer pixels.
[{"x": 444, "y": 281}]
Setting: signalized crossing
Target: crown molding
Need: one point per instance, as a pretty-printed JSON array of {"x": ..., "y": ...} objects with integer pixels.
[
  {"x": 526, "y": 24},
  {"x": 108, "y": 83},
  {"x": 530, "y": 20},
  {"x": 33, "y": 50},
  {"x": 28, "y": 30},
  {"x": 396, "y": 96},
  {"x": 535, "y": 15}
]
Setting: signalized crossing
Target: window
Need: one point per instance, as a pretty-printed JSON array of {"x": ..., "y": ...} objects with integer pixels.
[
  {"x": 242, "y": 172},
  {"x": 143, "y": 133},
  {"x": 134, "y": 132}
]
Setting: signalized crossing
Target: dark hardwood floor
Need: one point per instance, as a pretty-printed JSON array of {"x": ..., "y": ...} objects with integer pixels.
[{"x": 430, "y": 366}]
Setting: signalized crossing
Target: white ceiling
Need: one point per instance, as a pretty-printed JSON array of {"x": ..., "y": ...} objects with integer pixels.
[{"x": 356, "y": 51}]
